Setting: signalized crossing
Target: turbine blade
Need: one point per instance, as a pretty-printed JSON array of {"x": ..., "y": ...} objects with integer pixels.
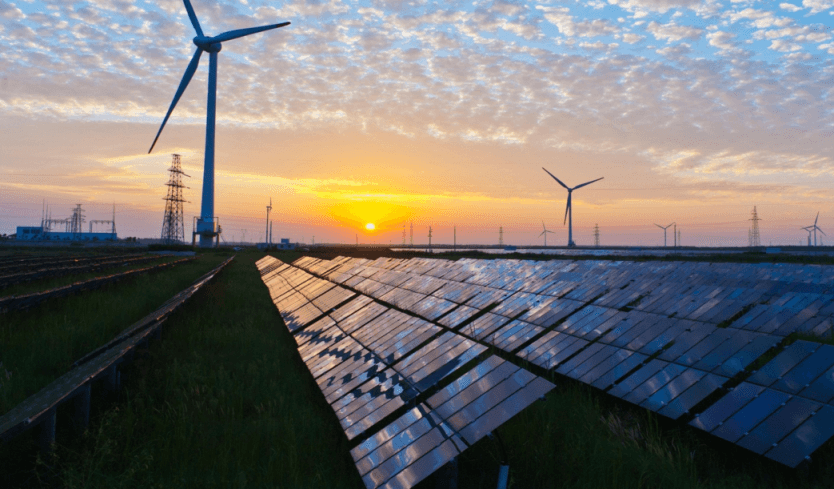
[
  {"x": 228, "y": 36},
  {"x": 588, "y": 183},
  {"x": 193, "y": 17},
  {"x": 567, "y": 208},
  {"x": 560, "y": 182},
  {"x": 658, "y": 225},
  {"x": 817, "y": 219},
  {"x": 820, "y": 230},
  {"x": 186, "y": 78},
  {"x": 540, "y": 235}
]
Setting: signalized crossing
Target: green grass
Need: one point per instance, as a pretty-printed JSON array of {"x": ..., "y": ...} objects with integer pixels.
[
  {"x": 225, "y": 401},
  {"x": 40, "y": 285},
  {"x": 38, "y": 345}
]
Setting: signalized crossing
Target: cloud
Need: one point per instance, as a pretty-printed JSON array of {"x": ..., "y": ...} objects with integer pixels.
[
  {"x": 661, "y": 6},
  {"x": 817, "y": 6},
  {"x": 561, "y": 18},
  {"x": 790, "y": 7},
  {"x": 672, "y": 32}
]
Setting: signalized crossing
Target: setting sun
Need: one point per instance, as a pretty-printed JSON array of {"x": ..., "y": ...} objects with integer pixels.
[{"x": 370, "y": 226}]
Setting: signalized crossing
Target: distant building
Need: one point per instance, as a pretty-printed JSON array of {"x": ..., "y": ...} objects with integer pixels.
[
  {"x": 38, "y": 233},
  {"x": 285, "y": 244}
]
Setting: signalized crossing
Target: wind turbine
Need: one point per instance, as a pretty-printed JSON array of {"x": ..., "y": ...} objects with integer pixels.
[
  {"x": 569, "y": 209},
  {"x": 544, "y": 233},
  {"x": 664, "y": 231},
  {"x": 206, "y": 225},
  {"x": 815, "y": 228},
  {"x": 809, "y": 228}
]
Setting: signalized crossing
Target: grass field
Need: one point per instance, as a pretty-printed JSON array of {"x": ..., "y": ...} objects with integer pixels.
[
  {"x": 225, "y": 401},
  {"x": 38, "y": 345},
  {"x": 41, "y": 285}
]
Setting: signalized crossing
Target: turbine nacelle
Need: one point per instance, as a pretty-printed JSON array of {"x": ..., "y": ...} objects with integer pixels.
[{"x": 207, "y": 44}]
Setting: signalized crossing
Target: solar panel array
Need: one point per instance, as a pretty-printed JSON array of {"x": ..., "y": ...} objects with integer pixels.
[
  {"x": 410, "y": 393},
  {"x": 681, "y": 339}
]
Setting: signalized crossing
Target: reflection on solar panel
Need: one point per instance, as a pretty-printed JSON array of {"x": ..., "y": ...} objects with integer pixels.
[
  {"x": 671, "y": 337},
  {"x": 373, "y": 364}
]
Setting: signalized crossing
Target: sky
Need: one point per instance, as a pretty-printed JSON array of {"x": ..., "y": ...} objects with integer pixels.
[{"x": 420, "y": 113}]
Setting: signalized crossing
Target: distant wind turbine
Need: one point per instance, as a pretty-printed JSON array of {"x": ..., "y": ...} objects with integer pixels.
[
  {"x": 206, "y": 225},
  {"x": 809, "y": 228},
  {"x": 815, "y": 228},
  {"x": 544, "y": 233},
  {"x": 569, "y": 209},
  {"x": 664, "y": 231}
]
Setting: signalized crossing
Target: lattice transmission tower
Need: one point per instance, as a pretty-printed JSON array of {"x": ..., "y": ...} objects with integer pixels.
[
  {"x": 501, "y": 236},
  {"x": 596, "y": 235},
  {"x": 77, "y": 220},
  {"x": 173, "y": 224},
  {"x": 755, "y": 239}
]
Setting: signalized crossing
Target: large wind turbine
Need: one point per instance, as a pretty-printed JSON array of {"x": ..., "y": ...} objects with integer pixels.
[
  {"x": 664, "y": 231},
  {"x": 544, "y": 233},
  {"x": 569, "y": 209},
  {"x": 815, "y": 228},
  {"x": 207, "y": 226}
]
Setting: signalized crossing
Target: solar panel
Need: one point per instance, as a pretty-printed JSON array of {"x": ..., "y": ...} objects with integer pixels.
[
  {"x": 364, "y": 360},
  {"x": 810, "y": 435},
  {"x": 742, "y": 421},
  {"x": 682, "y": 403},
  {"x": 474, "y": 405},
  {"x": 410, "y": 454},
  {"x": 613, "y": 368},
  {"x": 809, "y": 369},
  {"x": 784, "y": 420}
]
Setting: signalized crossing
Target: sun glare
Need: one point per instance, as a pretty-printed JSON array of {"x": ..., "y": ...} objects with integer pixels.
[{"x": 370, "y": 226}]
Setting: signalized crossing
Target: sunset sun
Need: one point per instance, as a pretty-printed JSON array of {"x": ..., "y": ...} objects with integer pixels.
[{"x": 370, "y": 226}]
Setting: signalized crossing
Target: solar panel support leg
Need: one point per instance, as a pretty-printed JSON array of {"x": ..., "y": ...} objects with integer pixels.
[
  {"x": 46, "y": 433},
  {"x": 81, "y": 408},
  {"x": 503, "y": 476},
  {"x": 113, "y": 379},
  {"x": 447, "y": 476}
]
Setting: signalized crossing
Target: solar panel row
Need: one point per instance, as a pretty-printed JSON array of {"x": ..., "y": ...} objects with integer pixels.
[
  {"x": 379, "y": 369},
  {"x": 648, "y": 333}
]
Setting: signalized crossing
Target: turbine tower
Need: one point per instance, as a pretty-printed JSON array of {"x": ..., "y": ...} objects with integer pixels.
[
  {"x": 664, "y": 228},
  {"x": 268, "y": 209},
  {"x": 809, "y": 228},
  {"x": 207, "y": 224},
  {"x": 569, "y": 209},
  {"x": 814, "y": 228},
  {"x": 544, "y": 233}
]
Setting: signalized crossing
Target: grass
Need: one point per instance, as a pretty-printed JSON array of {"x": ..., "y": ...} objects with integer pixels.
[
  {"x": 40, "y": 285},
  {"x": 225, "y": 401},
  {"x": 38, "y": 345}
]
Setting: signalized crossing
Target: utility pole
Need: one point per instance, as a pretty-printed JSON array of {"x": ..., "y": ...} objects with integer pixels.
[
  {"x": 411, "y": 236},
  {"x": 455, "y": 234},
  {"x": 403, "y": 234},
  {"x": 429, "y": 239},
  {"x": 268, "y": 209},
  {"x": 675, "y": 235}
]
